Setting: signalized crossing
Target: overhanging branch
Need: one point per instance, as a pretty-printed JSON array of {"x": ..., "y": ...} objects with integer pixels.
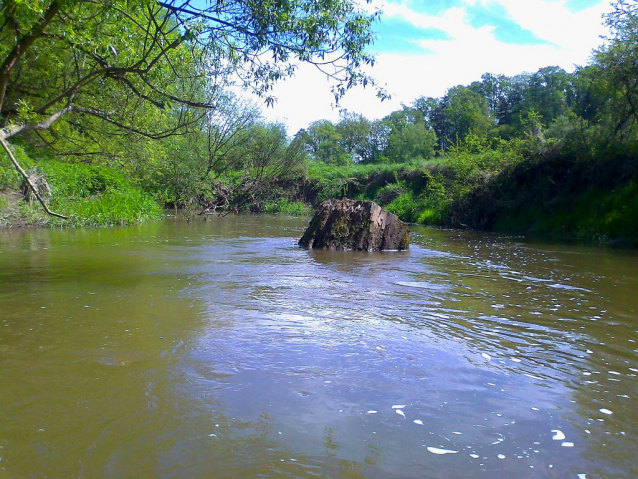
[{"x": 27, "y": 178}]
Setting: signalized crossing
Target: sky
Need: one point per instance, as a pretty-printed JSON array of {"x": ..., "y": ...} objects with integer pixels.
[{"x": 425, "y": 47}]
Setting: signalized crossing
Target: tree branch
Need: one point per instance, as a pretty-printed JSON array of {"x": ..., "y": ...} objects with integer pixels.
[{"x": 27, "y": 178}]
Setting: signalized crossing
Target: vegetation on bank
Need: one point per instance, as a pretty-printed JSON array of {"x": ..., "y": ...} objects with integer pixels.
[
  {"x": 548, "y": 153},
  {"x": 553, "y": 196},
  {"x": 90, "y": 195}
]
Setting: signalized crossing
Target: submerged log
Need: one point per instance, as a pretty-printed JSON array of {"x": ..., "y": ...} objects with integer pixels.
[{"x": 355, "y": 225}]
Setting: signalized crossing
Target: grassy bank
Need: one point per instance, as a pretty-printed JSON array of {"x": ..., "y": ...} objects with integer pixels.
[
  {"x": 510, "y": 189},
  {"x": 90, "y": 195},
  {"x": 505, "y": 187}
]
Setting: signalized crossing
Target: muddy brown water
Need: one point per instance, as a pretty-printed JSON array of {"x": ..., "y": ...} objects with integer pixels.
[{"x": 221, "y": 349}]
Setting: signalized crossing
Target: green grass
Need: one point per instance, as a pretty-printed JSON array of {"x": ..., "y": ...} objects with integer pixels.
[
  {"x": 421, "y": 209},
  {"x": 90, "y": 195},
  {"x": 354, "y": 180},
  {"x": 406, "y": 206},
  {"x": 295, "y": 208},
  {"x": 97, "y": 195},
  {"x": 10, "y": 179},
  {"x": 116, "y": 207}
]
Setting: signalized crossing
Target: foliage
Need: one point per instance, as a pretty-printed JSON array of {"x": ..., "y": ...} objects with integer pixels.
[
  {"x": 617, "y": 62},
  {"x": 97, "y": 195},
  {"x": 594, "y": 215},
  {"x": 9, "y": 177},
  {"x": 132, "y": 63},
  {"x": 125, "y": 206},
  {"x": 295, "y": 208},
  {"x": 89, "y": 195},
  {"x": 406, "y": 207},
  {"x": 115, "y": 82}
]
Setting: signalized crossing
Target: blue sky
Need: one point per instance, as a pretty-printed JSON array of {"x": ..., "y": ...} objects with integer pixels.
[{"x": 424, "y": 47}]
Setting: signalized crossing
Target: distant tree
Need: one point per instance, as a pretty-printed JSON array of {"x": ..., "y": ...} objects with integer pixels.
[
  {"x": 414, "y": 141},
  {"x": 409, "y": 137},
  {"x": 618, "y": 64},
  {"x": 430, "y": 109},
  {"x": 323, "y": 142},
  {"x": 463, "y": 111},
  {"x": 494, "y": 88},
  {"x": 355, "y": 131},
  {"x": 549, "y": 92}
]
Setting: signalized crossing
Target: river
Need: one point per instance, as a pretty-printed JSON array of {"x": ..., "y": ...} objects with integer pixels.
[{"x": 221, "y": 349}]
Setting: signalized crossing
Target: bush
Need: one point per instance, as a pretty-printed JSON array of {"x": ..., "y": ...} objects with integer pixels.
[
  {"x": 389, "y": 193},
  {"x": 76, "y": 180},
  {"x": 407, "y": 207},
  {"x": 124, "y": 206},
  {"x": 89, "y": 195}
]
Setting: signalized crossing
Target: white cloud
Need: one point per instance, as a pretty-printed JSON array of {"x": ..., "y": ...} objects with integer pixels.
[{"x": 461, "y": 60}]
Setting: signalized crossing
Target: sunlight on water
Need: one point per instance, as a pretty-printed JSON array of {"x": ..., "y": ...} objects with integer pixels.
[{"x": 221, "y": 349}]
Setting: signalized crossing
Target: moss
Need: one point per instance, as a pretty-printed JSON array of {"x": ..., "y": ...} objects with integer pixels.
[{"x": 405, "y": 241}]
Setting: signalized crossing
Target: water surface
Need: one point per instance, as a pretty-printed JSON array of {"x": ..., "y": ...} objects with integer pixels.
[{"x": 221, "y": 349}]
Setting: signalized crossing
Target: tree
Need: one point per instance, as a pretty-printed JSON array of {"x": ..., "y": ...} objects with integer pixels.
[
  {"x": 463, "y": 111},
  {"x": 618, "y": 63},
  {"x": 355, "y": 131},
  {"x": 323, "y": 142},
  {"x": 548, "y": 93},
  {"x": 153, "y": 69},
  {"x": 409, "y": 136},
  {"x": 414, "y": 141},
  {"x": 264, "y": 156}
]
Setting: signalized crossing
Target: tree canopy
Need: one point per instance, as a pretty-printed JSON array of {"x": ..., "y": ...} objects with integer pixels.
[
  {"x": 127, "y": 63},
  {"x": 81, "y": 76}
]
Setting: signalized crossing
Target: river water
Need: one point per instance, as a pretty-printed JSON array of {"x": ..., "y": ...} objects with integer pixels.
[{"x": 221, "y": 349}]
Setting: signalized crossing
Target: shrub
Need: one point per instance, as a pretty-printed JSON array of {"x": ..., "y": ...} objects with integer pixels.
[
  {"x": 389, "y": 193},
  {"x": 407, "y": 207}
]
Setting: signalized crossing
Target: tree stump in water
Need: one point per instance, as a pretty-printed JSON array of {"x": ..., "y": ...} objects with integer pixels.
[{"x": 355, "y": 225}]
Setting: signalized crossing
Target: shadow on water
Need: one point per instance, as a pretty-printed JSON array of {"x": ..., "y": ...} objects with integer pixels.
[{"x": 221, "y": 349}]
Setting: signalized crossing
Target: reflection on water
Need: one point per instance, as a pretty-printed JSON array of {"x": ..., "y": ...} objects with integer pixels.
[{"x": 220, "y": 349}]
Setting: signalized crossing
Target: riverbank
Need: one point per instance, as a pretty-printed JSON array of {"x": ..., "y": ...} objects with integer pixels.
[
  {"x": 552, "y": 196},
  {"x": 505, "y": 190},
  {"x": 89, "y": 195}
]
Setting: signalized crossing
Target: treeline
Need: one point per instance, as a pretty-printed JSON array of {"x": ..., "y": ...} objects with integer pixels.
[
  {"x": 547, "y": 104},
  {"x": 548, "y": 152}
]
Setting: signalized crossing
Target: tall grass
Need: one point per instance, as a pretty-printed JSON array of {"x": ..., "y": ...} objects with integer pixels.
[
  {"x": 90, "y": 195},
  {"x": 295, "y": 208},
  {"x": 97, "y": 195}
]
